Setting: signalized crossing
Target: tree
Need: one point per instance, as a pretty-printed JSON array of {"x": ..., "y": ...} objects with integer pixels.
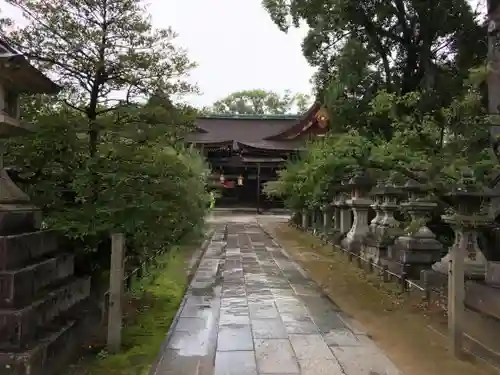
[
  {"x": 261, "y": 102},
  {"x": 105, "y": 158},
  {"x": 400, "y": 46},
  {"x": 105, "y": 53}
]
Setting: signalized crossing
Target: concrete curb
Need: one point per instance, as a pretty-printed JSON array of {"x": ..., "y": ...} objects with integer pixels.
[{"x": 193, "y": 267}]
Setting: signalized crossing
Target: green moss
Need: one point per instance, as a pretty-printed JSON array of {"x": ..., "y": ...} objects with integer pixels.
[{"x": 150, "y": 309}]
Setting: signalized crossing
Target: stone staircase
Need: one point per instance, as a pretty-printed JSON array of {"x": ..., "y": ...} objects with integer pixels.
[{"x": 41, "y": 320}]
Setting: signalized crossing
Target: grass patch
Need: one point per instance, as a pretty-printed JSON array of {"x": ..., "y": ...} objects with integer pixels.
[
  {"x": 395, "y": 323},
  {"x": 150, "y": 307}
]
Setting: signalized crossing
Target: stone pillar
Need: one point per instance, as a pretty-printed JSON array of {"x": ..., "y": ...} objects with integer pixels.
[
  {"x": 327, "y": 218},
  {"x": 418, "y": 248},
  {"x": 369, "y": 247},
  {"x": 378, "y": 199},
  {"x": 361, "y": 185},
  {"x": 345, "y": 221},
  {"x": 336, "y": 212},
  {"x": 305, "y": 219},
  {"x": 317, "y": 220},
  {"x": 471, "y": 215},
  {"x": 388, "y": 228}
]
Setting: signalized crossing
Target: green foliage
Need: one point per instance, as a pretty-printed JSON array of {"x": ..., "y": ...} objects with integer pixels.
[
  {"x": 103, "y": 158},
  {"x": 431, "y": 146},
  {"x": 150, "y": 309},
  {"x": 404, "y": 42},
  {"x": 404, "y": 87},
  {"x": 261, "y": 102},
  {"x": 309, "y": 181},
  {"x": 150, "y": 186}
]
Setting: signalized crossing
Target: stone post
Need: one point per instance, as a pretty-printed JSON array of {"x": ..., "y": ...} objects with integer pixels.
[
  {"x": 378, "y": 199},
  {"x": 327, "y": 218},
  {"x": 336, "y": 212},
  {"x": 305, "y": 219},
  {"x": 361, "y": 185},
  {"x": 345, "y": 221},
  {"x": 471, "y": 215},
  {"x": 388, "y": 228},
  {"x": 370, "y": 243},
  {"x": 418, "y": 248}
]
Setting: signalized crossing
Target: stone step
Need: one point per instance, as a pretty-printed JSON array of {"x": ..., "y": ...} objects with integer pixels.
[
  {"x": 19, "y": 327},
  {"x": 19, "y": 287},
  {"x": 16, "y": 218},
  {"x": 19, "y": 249},
  {"x": 48, "y": 356}
]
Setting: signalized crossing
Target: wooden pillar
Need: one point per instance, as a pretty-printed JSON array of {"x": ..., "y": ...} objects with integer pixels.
[{"x": 258, "y": 187}]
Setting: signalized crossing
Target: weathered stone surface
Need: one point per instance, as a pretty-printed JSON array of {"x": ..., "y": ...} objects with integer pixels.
[
  {"x": 47, "y": 357},
  {"x": 19, "y": 327},
  {"x": 259, "y": 314},
  {"x": 19, "y": 249},
  {"x": 493, "y": 274},
  {"x": 18, "y": 219},
  {"x": 19, "y": 287}
]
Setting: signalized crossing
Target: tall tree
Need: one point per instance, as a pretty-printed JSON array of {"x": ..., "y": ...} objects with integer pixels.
[
  {"x": 105, "y": 53},
  {"x": 261, "y": 102},
  {"x": 398, "y": 45}
]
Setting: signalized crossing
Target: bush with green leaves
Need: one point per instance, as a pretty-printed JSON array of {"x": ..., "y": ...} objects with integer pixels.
[
  {"x": 151, "y": 188},
  {"x": 430, "y": 145}
]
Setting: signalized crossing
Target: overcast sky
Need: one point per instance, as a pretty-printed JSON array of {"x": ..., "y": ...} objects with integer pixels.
[{"x": 235, "y": 44}]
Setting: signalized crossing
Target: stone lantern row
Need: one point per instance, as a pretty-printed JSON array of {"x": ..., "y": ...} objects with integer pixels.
[{"x": 383, "y": 239}]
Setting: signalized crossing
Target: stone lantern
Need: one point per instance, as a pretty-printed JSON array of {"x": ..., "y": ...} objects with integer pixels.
[
  {"x": 377, "y": 195},
  {"x": 470, "y": 203},
  {"x": 344, "y": 211},
  {"x": 417, "y": 249},
  {"x": 360, "y": 184},
  {"x": 39, "y": 293},
  {"x": 17, "y": 77}
]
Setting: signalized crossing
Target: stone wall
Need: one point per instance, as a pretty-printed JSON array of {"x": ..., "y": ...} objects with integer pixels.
[{"x": 40, "y": 299}]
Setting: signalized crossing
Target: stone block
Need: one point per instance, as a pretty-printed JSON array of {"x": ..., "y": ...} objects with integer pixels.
[
  {"x": 19, "y": 327},
  {"x": 47, "y": 357},
  {"x": 18, "y": 219},
  {"x": 21, "y": 249},
  {"x": 483, "y": 298},
  {"x": 19, "y": 287},
  {"x": 493, "y": 274}
]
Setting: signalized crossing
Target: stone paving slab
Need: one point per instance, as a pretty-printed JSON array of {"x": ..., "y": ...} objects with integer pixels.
[{"x": 251, "y": 311}]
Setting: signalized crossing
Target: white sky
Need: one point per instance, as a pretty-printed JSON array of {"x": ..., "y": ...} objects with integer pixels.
[{"x": 235, "y": 44}]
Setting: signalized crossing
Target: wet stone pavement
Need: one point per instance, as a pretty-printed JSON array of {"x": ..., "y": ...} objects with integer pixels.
[{"x": 251, "y": 311}]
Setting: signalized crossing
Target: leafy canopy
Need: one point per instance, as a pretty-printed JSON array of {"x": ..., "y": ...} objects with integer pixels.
[{"x": 261, "y": 102}]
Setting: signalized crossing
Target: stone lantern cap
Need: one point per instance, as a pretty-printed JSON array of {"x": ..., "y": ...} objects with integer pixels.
[
  {"x": 344, "y": 185},
  {"x": 413, "y": 186},
  {"x": 361, "y": 179},
  {"x": 468, "y": 196},
  {"x": 17, "y": 73},
  {"x": 468, "y": 187},
  {"x": 378, "y": 189}
]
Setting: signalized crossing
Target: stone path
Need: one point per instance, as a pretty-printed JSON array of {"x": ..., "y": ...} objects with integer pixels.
[{"x": 251, "y": 311}]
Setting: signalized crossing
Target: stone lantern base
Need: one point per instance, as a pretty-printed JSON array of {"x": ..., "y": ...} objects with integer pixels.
[
  {"x": 473, "y": 268},
  {"x": 42, "y": 302},
  {"x": 416, "y": 253}
]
